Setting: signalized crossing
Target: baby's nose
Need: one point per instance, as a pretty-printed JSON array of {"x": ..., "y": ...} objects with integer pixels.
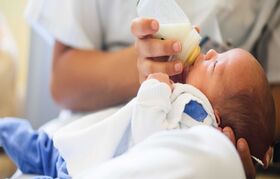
[{"x": 211, "y": 54}]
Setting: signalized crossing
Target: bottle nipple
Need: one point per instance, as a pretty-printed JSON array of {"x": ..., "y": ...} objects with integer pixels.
[{"x": 192, "y": 57}]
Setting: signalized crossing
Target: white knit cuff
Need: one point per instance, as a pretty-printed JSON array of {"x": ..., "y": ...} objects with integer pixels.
[{"x": 154, "y": 92}]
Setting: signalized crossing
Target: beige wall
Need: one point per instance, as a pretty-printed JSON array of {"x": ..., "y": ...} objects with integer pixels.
[{"x": 13, "y": 11}]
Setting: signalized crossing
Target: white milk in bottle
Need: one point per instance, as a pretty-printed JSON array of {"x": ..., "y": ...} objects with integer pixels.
[{"x": 174, "y": 24}]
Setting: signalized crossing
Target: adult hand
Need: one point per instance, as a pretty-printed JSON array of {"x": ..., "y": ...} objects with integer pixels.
[
  {"x": 153, "y": 53},
  {"x": 245, "y": 155}
]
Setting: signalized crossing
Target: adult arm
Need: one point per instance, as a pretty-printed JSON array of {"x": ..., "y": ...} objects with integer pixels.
[{"x": 87, "y": 80}]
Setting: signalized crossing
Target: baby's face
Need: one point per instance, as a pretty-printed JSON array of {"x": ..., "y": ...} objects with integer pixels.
[{"x": 217, "y": 75}]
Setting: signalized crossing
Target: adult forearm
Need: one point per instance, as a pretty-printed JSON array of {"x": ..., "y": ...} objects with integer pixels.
[{"x": 92, "y": 80}]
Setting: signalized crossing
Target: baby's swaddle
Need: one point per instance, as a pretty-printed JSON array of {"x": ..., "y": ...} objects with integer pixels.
[
  {"x": 156, "y": 108},
  {"x": 83, "y": 144}
]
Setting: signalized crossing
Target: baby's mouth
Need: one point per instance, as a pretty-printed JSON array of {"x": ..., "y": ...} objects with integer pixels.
[{"x": 187, "y": 70}]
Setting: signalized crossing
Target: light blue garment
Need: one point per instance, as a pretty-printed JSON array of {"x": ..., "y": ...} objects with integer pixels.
[{"x": 32, "y": 151}]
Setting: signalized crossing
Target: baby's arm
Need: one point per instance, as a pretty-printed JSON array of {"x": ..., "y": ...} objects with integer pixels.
[
  {"x": 33, "y": 152},
  {"x": 151, "y": 106}
]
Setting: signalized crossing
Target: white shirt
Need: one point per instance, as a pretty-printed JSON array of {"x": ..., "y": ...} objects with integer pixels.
[
  {"x": 105, "y": 24},
  {"x": 85, "y": 24},
  {"x": 196, "y": 153}
]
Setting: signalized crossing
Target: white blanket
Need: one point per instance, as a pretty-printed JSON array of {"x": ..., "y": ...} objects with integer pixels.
[
  {"x": 88, "y": 141},
  {"x": 85, "y": 143},
  {"x": 197, "y": 153}
]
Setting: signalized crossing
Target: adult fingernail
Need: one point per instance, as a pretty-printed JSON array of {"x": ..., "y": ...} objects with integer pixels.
[
  {"x": 178, "y": 67},
  {"x": 154, "y": 25},
  {"x": 267, "y": 158},
  {"x": 176, "y": 46},
  {"x": 226, "y": 133}
]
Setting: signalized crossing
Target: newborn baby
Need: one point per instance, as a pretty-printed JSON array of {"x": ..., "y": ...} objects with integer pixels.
[
  {"x": 228, "y": 89},
  {"x": 236, "y": 85},
  {"x": 239, "y": 93}
]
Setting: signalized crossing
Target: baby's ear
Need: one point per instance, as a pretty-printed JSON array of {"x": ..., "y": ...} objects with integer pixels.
[{"x": 217, "y": 116}]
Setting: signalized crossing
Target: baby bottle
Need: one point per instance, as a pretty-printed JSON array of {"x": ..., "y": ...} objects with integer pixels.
[{"x": 174, "y": 24}]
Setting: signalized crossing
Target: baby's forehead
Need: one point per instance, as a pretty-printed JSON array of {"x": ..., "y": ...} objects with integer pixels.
[
  {"x": 242, "y": 70},
  {"x": 242, "y": 61},
  {"x": 240, "y": 54}
]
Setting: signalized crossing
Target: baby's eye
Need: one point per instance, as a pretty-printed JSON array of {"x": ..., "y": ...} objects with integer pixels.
[{"x": 215, "y": 63}]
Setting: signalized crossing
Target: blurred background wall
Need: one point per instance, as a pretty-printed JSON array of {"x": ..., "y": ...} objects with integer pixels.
[
  {"x": 12, "y": 10},
  {"x": 25, "y": 60},
  {"x": 33, "y": 61},
  {"x": 14, "y": 45}
]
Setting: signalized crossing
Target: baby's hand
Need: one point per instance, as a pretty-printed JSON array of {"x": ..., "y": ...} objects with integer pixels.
[{"x": 162, "y": 77}]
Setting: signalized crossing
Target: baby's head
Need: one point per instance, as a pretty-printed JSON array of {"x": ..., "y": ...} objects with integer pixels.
[{"x": 238, "y": 90}]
